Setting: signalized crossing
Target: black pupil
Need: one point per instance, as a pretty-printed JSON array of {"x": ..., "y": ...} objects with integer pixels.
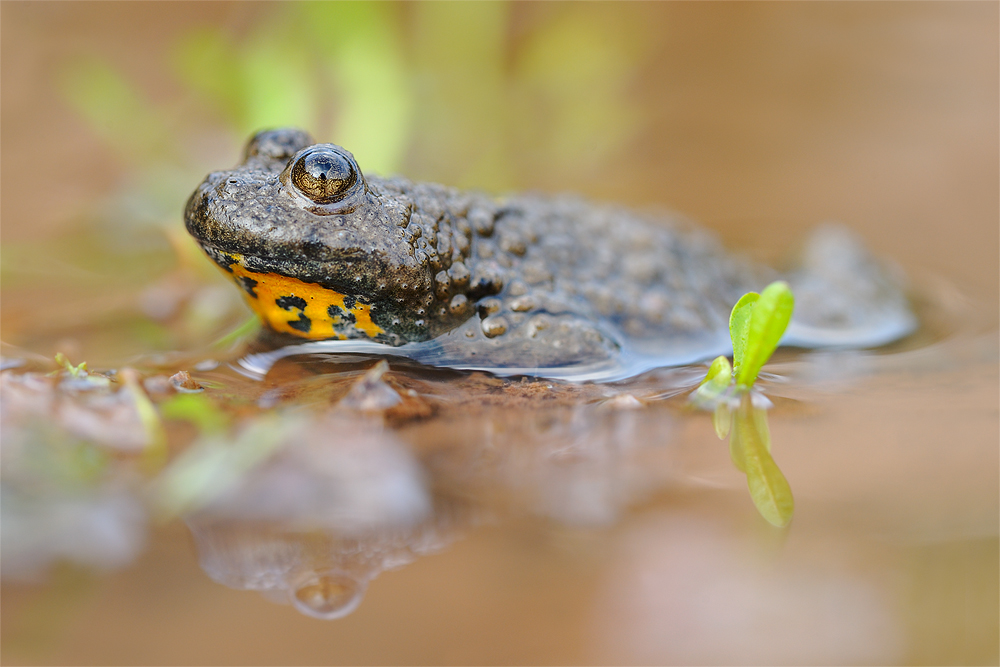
[{"x": 323, "y": 176}]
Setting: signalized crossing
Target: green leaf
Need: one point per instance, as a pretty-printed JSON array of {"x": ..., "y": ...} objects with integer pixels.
[
  {"x": 750, "y": 448},
  {"x": 756, "y": 325},
  {"x": 722, "y": 420},
  {"x": 79, "y": 371},
  {"x": 720, "y": 373},
  {"x": 768, "y": 320},
  {"x": 739, "y": 326},
  {"x": 769, "y": 488},
  {"x": 715, "y": 384},
  {"x": 738, "y": 424}
]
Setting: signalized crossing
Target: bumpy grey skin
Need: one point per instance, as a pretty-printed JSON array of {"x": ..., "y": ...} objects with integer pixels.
[{"x": 524, "y": 281}]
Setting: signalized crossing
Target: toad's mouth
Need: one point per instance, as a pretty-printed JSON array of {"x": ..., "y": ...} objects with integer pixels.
[{"x": 302, "y": 309}]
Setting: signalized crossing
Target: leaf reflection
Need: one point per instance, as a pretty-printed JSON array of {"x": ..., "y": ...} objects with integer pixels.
[{"x": 750, "y": 449}]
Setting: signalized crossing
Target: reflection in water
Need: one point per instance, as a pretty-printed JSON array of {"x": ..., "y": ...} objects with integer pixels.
[
  {"x": 741, "y": 413},
  {"x": 347, "y": 474},
  {"x": 65, "y": 493},
  {"x": 339, "y": 500},
  {"x": 331, "y": 472},
  {"x": 343, "y": 497},
  {"x": 104, "y": 529},
  {"x": 582, "y": 465},
  {"x": 326, "y": 595},
  {"x": 322, "y": 573}
]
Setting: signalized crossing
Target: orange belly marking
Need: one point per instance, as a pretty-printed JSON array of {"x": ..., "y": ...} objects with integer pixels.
[{"x": 299, "y": 308}]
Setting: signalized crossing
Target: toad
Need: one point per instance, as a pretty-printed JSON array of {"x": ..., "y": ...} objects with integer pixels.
[{"x": 526, "y": 282}]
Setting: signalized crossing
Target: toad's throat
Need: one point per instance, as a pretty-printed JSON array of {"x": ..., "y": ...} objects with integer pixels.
[{"x": 306, "y": 310}]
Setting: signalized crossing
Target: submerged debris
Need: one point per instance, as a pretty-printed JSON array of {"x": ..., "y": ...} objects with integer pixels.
[
  {"x": 183, "y": 382},
  {"x": 371, "y": 393}
]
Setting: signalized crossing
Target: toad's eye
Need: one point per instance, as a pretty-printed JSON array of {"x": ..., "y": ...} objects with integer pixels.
[{"x": 323, "y": 174}]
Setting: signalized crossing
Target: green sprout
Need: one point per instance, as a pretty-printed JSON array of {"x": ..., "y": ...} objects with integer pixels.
[
  {"x": 756, "y": 325},
  {"x": 79, "y": 371}
]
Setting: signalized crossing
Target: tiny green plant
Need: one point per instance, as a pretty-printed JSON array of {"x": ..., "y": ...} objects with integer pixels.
[
  {"x": 756, "y": 325},
  {"x": 78, "y": 371}
]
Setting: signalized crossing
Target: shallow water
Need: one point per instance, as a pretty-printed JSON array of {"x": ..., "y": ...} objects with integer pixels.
[
  {"x": 605, "y": 523},
  {"x": 456, "y": 517}
]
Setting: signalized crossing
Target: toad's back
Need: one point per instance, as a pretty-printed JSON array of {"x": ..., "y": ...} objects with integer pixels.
[{"x": 525, "y": 283}]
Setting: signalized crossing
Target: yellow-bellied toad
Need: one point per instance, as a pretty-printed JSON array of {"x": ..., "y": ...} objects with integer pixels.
[{"x": 519, "y": 282}]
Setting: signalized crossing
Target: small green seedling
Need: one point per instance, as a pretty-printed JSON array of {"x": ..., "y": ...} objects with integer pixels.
[
  {"x": 78, "y": 374},
  {"x": 759, "y": 322},
  {"x": 756, "y": 325},
  {"x": 79, "y": 371}
]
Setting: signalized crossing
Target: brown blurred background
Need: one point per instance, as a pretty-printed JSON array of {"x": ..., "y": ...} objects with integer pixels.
[{"x": 757, "y": 119}]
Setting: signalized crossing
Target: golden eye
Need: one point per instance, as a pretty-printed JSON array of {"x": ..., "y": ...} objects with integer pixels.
[{"x": 324, "y": 174}]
